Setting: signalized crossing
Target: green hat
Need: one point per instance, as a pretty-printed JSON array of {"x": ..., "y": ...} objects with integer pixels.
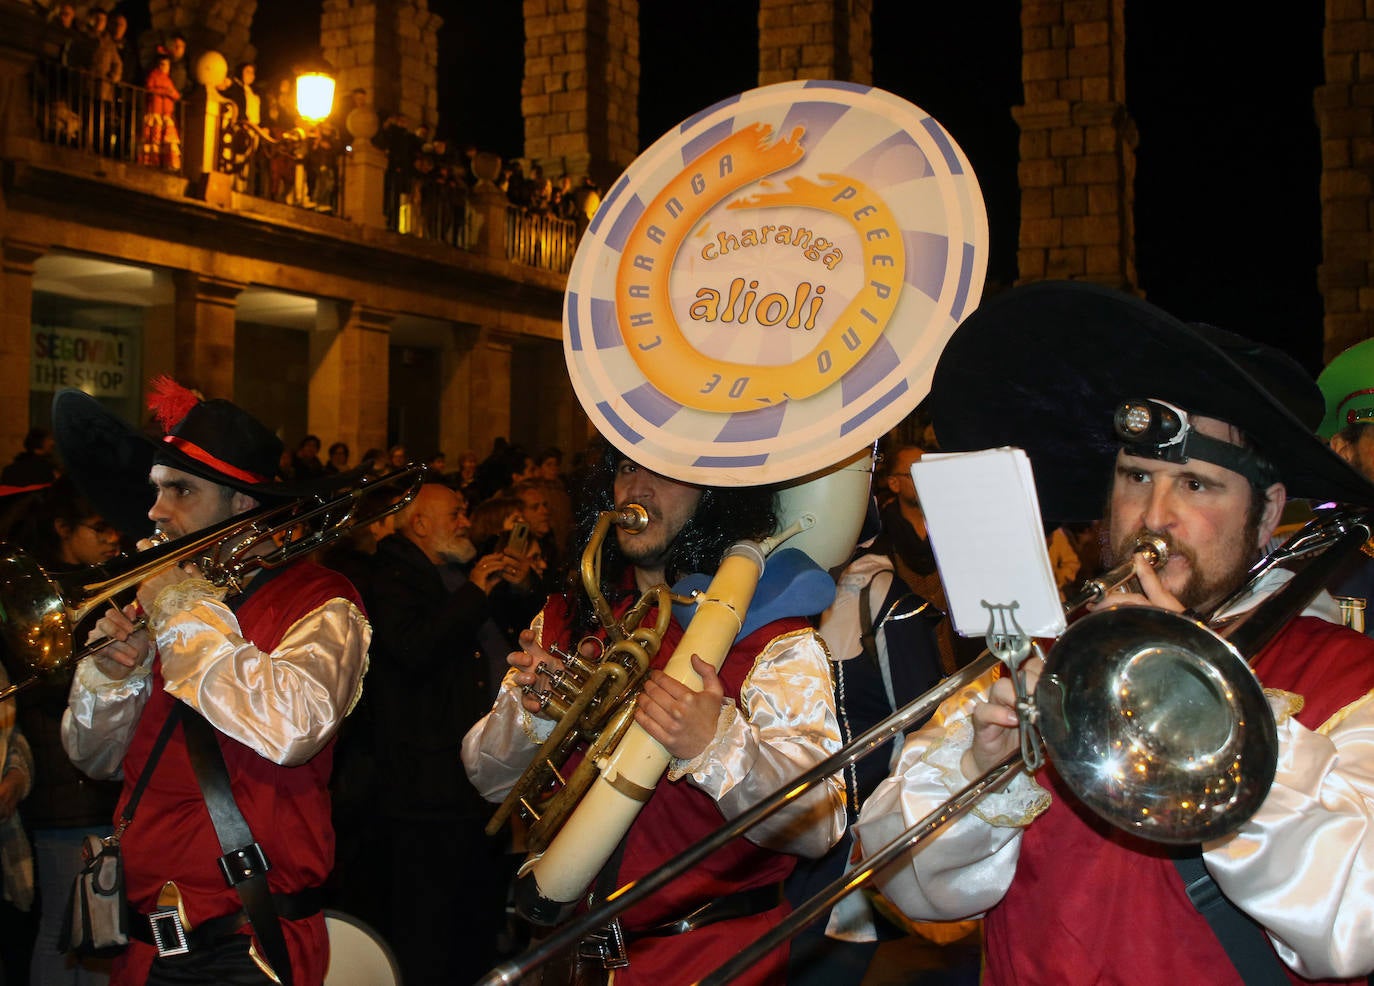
[{"x": 1347, "y": 383}]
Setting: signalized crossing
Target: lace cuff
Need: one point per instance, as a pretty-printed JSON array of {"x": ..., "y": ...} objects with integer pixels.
[
  {"x": 180, "y": 597},
  {"x": 1014, "y": 806},
  {"x": 729, "y": 712},
  {"x": 97, "y": 682},
  {"x": 1284, "y": 705}
]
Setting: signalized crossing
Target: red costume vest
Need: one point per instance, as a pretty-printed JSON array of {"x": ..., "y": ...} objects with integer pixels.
[
  {"x": 1092, "y": 904},
  {"x": 677, "y": 816},
  {"x": 287, "y": 808}
]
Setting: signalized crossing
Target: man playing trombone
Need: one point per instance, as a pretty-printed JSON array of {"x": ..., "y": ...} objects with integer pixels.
[
  {"x": 272, "y": 669},
  {"x": 1207, "y": 466},
  {"x": 767, "y": 716}
]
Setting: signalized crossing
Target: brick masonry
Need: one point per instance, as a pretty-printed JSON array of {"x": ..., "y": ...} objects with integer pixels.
[
  {"x": 580, "y": 96},
  {"x": 815, "y": 39},
  {"x": 1345, "y": 117},
  {"x": 391, "y": 49},
  {"x": 1077, "y": 147}
]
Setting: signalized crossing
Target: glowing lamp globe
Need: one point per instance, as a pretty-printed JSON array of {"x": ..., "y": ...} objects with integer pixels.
[{"x": 314, "y": 94}]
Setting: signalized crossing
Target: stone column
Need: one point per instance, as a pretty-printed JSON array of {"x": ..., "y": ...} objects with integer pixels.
[
  {"x": 1345, "y": 116},
  {"x": 1077, "y": 170},
  {"x": 487, "y": 367},
  {"x": 831, "y": 39},
  {"x": 581, "y": 90},
  {"x": 348, "y": 374},
  {"x": 205, "y": 309},
  {"x": 16, "y": 340},
  {"x": 388, "y": 47},
  {"x": 224, "y": 25},
  {"x": 455, "y": 393}
]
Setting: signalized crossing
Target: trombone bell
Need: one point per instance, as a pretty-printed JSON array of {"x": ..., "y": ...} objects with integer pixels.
[
  {"x": 34, "y": 622},
  {"x": 1157, "y": 724}
]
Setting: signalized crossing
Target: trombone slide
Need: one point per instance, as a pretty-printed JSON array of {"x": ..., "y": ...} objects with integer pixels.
[{"x": 562, "y": 873}]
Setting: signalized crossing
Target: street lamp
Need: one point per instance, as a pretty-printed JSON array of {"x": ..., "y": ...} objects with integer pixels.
[{"x": 315, "y": 90}]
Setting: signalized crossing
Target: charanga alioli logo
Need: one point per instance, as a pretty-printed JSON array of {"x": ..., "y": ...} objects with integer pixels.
[{"x": 797, "y": 278}]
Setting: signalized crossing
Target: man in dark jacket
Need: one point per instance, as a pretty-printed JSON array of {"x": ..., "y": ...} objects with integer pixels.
[{"x": 445, "y": 899}]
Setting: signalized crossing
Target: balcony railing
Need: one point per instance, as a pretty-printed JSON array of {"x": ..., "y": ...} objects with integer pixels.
[
  {"x": 114, "y": 120},
  {"x": 300, "y": 166},
  {"x": 540, "y": 240}
]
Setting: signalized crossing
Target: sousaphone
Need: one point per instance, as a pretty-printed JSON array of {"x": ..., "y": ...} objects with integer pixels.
[{"x": 761, "y": 296}]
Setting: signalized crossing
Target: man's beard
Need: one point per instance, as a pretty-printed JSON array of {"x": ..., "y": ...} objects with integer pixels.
[
  {"x": 457, "y": 549},
  {"x": 1200, "y": 589}
]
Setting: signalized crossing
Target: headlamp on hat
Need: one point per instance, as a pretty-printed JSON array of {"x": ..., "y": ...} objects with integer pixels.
[{"x": 1155, "y": 429}]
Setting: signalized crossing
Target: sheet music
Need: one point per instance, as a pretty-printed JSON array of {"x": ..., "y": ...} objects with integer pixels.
[{"x": 984, "y": 525}]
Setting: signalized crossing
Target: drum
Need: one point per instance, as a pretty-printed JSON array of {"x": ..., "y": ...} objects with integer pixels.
[{"x": 358, "y": 956}]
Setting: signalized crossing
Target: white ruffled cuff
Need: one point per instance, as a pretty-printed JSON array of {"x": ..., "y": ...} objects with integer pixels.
[
  {"x": 180, "y": 597},
  {"x": 1016, "y": 805},
  {"x": 679, "y": 768}
]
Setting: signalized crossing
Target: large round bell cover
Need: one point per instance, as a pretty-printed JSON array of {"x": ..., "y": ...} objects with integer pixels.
[{"x": 767, "y": 288}]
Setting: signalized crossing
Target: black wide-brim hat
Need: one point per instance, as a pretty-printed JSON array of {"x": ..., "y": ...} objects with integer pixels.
[
  {"x": 1043, "y": 367},
  {"x": 216, "y": 440}
]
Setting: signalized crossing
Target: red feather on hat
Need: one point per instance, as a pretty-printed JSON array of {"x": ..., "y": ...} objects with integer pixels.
[{"x": 170, "y": 402}]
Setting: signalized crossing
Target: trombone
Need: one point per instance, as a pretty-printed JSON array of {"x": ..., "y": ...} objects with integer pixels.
[
  {"x": 39, "y": 612},
  {"x": 1335, "y": 536}
]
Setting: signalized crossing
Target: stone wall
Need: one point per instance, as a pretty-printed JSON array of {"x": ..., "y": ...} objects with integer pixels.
[
  {"x": 388, "y": 47},
  {"x": 817, "y": 39},
  {"x": 223, "y": 25},
  {"x": 1077, "y": 160},
  {"x": 1345, "y": 116},
  {"x": 580, "y": 96}
]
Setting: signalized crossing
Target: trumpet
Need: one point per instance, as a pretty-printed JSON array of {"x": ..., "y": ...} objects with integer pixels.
[
  {"x": 1220, "y": 685},
  {"x": 39, "y": 611}
]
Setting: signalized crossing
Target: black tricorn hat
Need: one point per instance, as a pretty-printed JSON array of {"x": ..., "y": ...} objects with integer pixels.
[
  {"x": 1044, "y": 367},
  {"x": 214, "y": 439}
]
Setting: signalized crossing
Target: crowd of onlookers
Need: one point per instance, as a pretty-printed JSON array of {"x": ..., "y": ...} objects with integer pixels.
[{"x": 103, "y": 90}]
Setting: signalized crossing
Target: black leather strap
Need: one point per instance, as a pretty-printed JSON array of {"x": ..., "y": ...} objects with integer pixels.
[
  {"x": 1245, "y": 942},
  {"x": 245, "y": 870}
]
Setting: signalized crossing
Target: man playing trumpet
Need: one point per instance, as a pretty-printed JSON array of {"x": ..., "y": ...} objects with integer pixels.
[
  {"x": 1068, "y": 898},
  {"x": 768, "y": 715},
  {"x": 273, "y": 669}
]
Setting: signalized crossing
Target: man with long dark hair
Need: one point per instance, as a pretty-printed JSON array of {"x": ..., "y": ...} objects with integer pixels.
[{"x": 767, "y": 715}]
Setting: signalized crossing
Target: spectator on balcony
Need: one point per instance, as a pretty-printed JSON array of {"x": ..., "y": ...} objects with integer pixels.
[
  {"x": 242, "y": 94},
  {"x": 125, "y": 135},
  {"x": 62, "y": 24},
  {"x": 395, "y": 140},
  {"x": 161, "y": 141},
  {"x": 106, "y": 68},
  {"x": 128, "y": 50},
  {"x": 179, "y": 67},
  {"x": 324, "y": 149}
]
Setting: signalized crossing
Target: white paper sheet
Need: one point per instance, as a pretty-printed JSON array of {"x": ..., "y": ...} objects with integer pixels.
[{"x": 984, "y": 522}]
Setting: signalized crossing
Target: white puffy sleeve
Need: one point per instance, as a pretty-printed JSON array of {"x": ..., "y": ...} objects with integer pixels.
[
  {"x": 784, "y": 725},
  {"x": 101, "y": 715},
  {"x": 969, "y": 867},
  {"x": 1303, "y": 866},
  {"x": 284, "y": 704}
]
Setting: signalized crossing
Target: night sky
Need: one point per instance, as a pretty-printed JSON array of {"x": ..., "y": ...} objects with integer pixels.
[{"x": 1227, "y": 213}]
